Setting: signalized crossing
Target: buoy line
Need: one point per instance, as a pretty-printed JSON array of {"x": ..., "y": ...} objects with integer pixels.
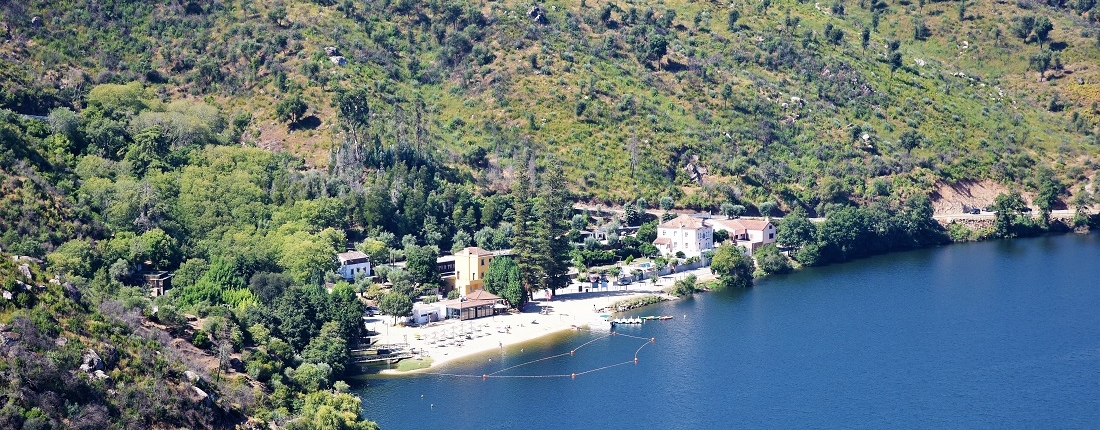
[{"x": 571, "y": 352}]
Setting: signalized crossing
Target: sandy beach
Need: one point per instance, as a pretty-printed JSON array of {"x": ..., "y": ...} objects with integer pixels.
[{"x": 565, "y": 311}]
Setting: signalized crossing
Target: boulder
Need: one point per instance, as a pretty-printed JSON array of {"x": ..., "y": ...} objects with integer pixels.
[
  {"x": 99, "y": 374},
  {"x": 193, "y": 377},
  {"x": 206, "y": 399},
  {"x": 91, "y": 361}
]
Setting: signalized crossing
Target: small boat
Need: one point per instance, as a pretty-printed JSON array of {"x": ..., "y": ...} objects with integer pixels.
[{"x": 665, "y": 317}]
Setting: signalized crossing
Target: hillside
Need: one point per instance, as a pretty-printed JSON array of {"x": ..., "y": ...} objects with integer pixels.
[
  {"x": 787, "y": 103},
  {"x": 242, "y": 145}
]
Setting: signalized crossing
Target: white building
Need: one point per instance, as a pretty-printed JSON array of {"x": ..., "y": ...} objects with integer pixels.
[
  {"x": 748, "y": 233},
  {"x": 352, "y": 264},
  {"x": 684, "y": 234}
]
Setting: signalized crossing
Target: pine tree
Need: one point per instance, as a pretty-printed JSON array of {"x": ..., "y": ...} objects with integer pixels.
[
  {"x": 522, "y": 243},
  {"x": 554, "y": 228}
]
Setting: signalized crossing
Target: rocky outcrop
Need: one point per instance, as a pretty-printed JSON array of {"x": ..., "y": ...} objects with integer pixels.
[{"x": 91, "y": 362}]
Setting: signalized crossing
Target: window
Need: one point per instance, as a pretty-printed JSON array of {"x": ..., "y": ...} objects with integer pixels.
[
  {"x": 482, "y": 262},
  {"x": 771, "y": 235}
]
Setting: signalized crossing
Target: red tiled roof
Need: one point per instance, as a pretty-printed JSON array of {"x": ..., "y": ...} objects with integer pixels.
[
  {"x": 473, "y": 250},
  {"x": 662, "y": 241},
  {"x": 683, "y": 221},
  {"x": 742, "y": 224},
  {"x": 482, "y": 295},
  {"x": 729, "y": 225}
]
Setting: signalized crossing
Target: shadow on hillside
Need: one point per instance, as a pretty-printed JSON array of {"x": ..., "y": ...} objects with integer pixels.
[{"x": 308, "y": 123}]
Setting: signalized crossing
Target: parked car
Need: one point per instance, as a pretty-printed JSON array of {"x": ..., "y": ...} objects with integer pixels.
[
  {"x": 974, "y": 211},
  {"x": 623, "y": 281},
  {"x": 371, "y": 311},
  {"x": 1025, "y": 209}
]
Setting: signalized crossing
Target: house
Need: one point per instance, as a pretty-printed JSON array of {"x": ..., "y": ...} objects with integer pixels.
[
  {"x": 445, "y": 265},
  {"x": 157, "y": 282},
  {"x": 423, "y": 313},
  {"x": 685, "y": 234},
  {"x": 476, "y": 304},
  {"x": 749, "y": 233},
  {"x": 471, "y": 265},
  {"x": 352, "y": 264}
]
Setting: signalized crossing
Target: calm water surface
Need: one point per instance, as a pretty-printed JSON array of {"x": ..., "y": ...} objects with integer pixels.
[{"x": 989, "y": 335}]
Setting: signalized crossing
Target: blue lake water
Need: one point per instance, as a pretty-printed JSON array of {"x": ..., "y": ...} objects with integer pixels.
[{"x": 999, "y": 334}]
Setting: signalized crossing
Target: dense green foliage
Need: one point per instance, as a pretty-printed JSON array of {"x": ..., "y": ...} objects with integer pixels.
[
  {"x": 733, "y": 267},
  {"x": 504, "y": 280},
  {"x": 131, "y": 135},
  {"x": 779, "y": 102}
]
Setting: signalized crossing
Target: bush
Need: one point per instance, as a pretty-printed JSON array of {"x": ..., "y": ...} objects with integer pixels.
[{"x": 770, "y": 260}]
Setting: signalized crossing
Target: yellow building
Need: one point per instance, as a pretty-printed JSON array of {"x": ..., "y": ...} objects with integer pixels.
[{"x": 471, "y": 265}]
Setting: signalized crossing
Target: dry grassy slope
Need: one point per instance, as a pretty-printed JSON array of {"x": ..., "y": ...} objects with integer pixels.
[{"x": 511, "y": 93}]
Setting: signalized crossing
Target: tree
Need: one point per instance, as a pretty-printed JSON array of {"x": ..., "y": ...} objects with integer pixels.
[
  {"x": 796, "y": 230},
  {"x": 267, "y": 286},
  {"x": 666, "y": 203},
  {"x": 734, "y": 268},
  {"x": 727, "y": 94},
  {"x": 461, "y": 240},
  {"x": 631, "y": 214},
  {"x": 1050, "y": 189},
  {"x": 920, "y": 29},
  {"x": 504, "y": 280},
  {"x": 420, "y": 262},
  {"x": 329, "y": 410},
  {"x": 1040, "y": 62},
  {"x": 657, "y": 48},
  {"x": 1006, "y": 207},
  {"x": 1042, "y": 29},
  {"x": 731, "y": 19},
  {"x": 354, "y": 110},
  {"x": 376, "y": 250},
  {"x": 291, "y": 109},
  {"x": 684, "y": 287},
  {"x": 190, "y": 272},
  {"x": 771, "y": 260},
  {"x": 329, "y": 347},
  {"x": 910, "y": 139},
  {"x": 396, "y": 304},
  {"x": 554, "y": 208},
  {"x": 894, "y": 60},
  {"x": 523, "y": 247},
  {"x": 579, "y": 222},
  {"x": 311, "y": 377},
  {"x": 647, "y": 232},
  {"x": 726, "y": 209},
  {"x": 865, "y": 38},
  {"x": 74, "y": 257},
  {"x": 1022, "y": 26},
  {"x": 766, "y": 208}
]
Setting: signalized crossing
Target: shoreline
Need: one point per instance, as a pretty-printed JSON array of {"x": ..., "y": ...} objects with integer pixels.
[{"x": 541, "y": 318}]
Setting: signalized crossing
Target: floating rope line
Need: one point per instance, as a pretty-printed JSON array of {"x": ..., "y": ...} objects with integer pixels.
[{"x": 497, "y": 374}]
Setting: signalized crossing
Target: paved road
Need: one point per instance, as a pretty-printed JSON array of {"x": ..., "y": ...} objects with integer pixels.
[{"x": 1064, "y": 213}]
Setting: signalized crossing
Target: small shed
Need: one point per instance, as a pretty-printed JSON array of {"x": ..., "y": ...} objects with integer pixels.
[{"x": 158, "y": 282}]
